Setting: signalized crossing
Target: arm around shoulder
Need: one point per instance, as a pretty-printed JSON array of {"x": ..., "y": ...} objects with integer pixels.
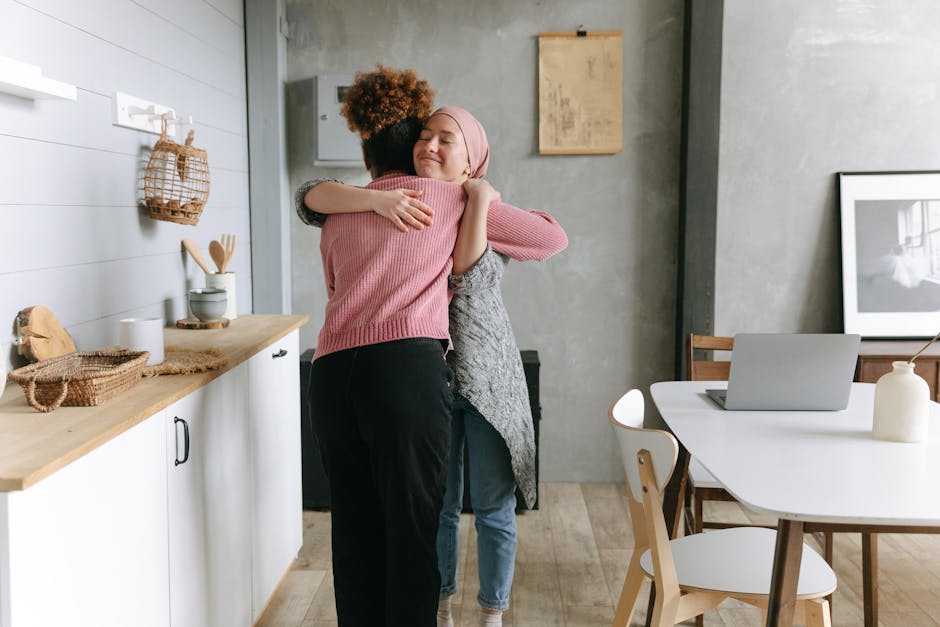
[
  {"x": 306, "y": 214},
  {"x": 471, "y": 239},
  {"x": 399, "y": 206},
  {"x": 524, "y": 235}
]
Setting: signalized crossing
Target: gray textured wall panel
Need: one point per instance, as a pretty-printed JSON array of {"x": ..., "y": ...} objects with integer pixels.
[{"x": 810, "y": 89}]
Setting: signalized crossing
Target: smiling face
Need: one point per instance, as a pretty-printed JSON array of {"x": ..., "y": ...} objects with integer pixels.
[{"x": 441, "y": 151}]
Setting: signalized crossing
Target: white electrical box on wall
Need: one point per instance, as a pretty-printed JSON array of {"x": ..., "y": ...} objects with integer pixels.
[{"x": 337, "y": 146}]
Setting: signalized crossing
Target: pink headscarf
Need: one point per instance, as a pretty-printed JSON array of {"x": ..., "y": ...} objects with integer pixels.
[{"x": 474, "y": 135}]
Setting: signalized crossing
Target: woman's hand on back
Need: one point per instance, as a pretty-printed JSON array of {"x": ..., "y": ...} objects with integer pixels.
[
  {"x": 480, "y": 189},
  {"x": 403, "y": 208}
]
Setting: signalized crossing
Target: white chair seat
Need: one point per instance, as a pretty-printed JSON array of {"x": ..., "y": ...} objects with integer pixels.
[
  {"x": 746, "y": 556},
  {"x": 700, "y": 477}
]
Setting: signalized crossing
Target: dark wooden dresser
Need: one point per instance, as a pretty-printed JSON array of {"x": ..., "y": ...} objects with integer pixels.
[{"x": 875, "y": 357}]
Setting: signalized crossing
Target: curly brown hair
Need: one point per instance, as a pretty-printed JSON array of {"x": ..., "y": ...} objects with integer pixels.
[{"x": 384, "y": 97}]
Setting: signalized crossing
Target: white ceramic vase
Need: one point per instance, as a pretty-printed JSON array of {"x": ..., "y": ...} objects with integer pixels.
[{"x": 902, "y": 401}]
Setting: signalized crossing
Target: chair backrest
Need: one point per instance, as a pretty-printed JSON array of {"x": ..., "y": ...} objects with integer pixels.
[
  {"x": 626, "y": 416},
  {"x": 649, "y": 458},
  {"x": 707, "y": 369}
]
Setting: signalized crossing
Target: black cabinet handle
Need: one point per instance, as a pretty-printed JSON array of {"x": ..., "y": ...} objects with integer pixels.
[
  {"x": 179, "y": 461},
  {"x": 279, "y": 354}
]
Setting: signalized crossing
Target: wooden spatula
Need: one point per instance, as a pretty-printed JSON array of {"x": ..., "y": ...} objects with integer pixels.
[{"x": 193, "y": 250}]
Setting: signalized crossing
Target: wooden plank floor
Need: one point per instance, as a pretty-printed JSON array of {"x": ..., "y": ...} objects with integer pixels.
[{"x": 573, "y": 555}]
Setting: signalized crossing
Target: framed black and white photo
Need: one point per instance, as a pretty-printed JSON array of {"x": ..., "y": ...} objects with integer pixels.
[{"x": 891, "y": 253}]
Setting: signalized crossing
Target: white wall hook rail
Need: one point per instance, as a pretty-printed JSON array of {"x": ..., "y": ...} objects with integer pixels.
[
  {"x": 26, "y": 81},
  {"x": 178, "y": 120},
  {"x": 149, "y": 111},
  {"x": 142, "y": 115}
]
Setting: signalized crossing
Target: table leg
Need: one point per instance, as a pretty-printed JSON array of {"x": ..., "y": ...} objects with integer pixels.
[
  {"x": 828, "y": 548},
  {"x": 870, "y": 577},
  {"x": 786, "y": 573},
  {"x": 673, "y": 499}
]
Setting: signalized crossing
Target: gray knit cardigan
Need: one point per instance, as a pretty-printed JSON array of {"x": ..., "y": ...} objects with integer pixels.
[{"x": 487, "y": 365}]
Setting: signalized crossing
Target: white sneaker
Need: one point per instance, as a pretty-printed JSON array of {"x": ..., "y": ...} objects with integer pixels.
[{"x": 444, "y": 616}]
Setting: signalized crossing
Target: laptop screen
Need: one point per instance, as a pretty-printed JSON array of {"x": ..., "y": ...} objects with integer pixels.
[{"x": 797, "y": 371}]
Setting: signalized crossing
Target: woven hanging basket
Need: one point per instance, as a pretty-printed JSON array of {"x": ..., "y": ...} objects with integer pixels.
[{"x": 176, "y": 182}]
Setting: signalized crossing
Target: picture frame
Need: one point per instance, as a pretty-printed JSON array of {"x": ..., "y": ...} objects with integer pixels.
[
  {"x": 580, "y": 79},
  {"x": 890, "y": 224}
]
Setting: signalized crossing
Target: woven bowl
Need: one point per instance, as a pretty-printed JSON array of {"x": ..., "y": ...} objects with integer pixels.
[{"x": 81, "y": 379}]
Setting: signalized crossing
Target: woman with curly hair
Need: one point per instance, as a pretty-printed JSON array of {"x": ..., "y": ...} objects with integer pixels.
[
  {"x": 380, "y": 390},
  {"x": 491, "y": 412}
]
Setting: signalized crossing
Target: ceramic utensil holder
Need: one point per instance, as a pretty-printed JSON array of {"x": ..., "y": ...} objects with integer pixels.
[
  {"x": 225, "y": 281},
  {"x": 902, "y": 405},
  {"x": 143, "y": 334}
]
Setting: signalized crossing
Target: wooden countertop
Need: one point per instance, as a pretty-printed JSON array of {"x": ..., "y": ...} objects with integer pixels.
[{"x": 34, "y": 445}]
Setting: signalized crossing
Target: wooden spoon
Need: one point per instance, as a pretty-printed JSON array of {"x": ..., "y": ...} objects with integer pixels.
[
  {"x": 218, "y": 255},
  {"x": 193, "y": 250}
]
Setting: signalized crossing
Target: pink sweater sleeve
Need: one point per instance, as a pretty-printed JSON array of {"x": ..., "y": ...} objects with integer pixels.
[{"x": 524, "y": 235}]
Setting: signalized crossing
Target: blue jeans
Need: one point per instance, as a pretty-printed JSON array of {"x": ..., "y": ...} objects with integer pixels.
[{"x": 493, "y": 496}]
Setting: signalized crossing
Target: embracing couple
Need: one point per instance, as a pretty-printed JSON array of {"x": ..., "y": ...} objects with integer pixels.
[{"x": 416, "y": 357}]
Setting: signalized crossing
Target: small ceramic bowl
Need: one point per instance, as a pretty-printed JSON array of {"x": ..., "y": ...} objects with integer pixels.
[{"x": 207, "y": 304}]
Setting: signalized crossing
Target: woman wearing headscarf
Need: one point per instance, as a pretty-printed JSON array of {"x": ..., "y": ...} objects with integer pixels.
[{"x": 491, "y": 412}]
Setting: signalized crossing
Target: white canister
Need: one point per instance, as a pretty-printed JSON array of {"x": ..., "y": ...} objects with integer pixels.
[
  {"x": 143, "y": 334},
  {"x": 225, "y": 281},
  {"x": 902, "y": 405}
]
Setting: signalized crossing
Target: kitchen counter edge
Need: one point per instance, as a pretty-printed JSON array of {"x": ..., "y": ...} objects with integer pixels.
[{"x": 30, "y": 450}]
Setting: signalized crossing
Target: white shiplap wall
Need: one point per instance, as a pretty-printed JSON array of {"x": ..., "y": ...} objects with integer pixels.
[{"x": 72, "y": 236}]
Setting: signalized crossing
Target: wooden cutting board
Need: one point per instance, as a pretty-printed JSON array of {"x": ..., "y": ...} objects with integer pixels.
[
  {"x": 196, "y": 323},
  {"x": 41, "y": 334}
]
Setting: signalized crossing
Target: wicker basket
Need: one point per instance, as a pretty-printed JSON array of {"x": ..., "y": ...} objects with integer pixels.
[
  {"x": 79, "y": 379},
  {"x": 176, "y": 182}
]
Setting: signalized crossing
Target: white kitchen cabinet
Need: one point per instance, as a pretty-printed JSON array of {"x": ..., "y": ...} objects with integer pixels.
[
  {"x": 276, "y": 490},
  {"x": 87, "y": 546},
  {"x": 208, "y": 505},
  {"x": 100, "y": 527}
]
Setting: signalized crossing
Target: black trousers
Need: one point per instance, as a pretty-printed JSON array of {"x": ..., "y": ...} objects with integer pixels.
[{"x": 382, "y": 418}]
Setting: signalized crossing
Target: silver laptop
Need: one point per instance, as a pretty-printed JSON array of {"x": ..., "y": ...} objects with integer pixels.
[{"x": 790, "y": 371}]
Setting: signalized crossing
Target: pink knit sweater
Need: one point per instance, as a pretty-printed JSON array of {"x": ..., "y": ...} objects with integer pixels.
[{"x": 386, "y": 285}]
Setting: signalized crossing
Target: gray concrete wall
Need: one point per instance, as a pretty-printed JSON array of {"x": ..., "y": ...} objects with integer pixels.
[
  {"x": 601, "y": 314},
  {"x": 810, "y": 89}
]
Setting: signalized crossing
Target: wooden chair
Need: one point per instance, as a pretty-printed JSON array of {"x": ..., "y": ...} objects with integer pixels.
[
  {"x": 702, "y": 486},
  {"x": 695, "y": 573}
]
